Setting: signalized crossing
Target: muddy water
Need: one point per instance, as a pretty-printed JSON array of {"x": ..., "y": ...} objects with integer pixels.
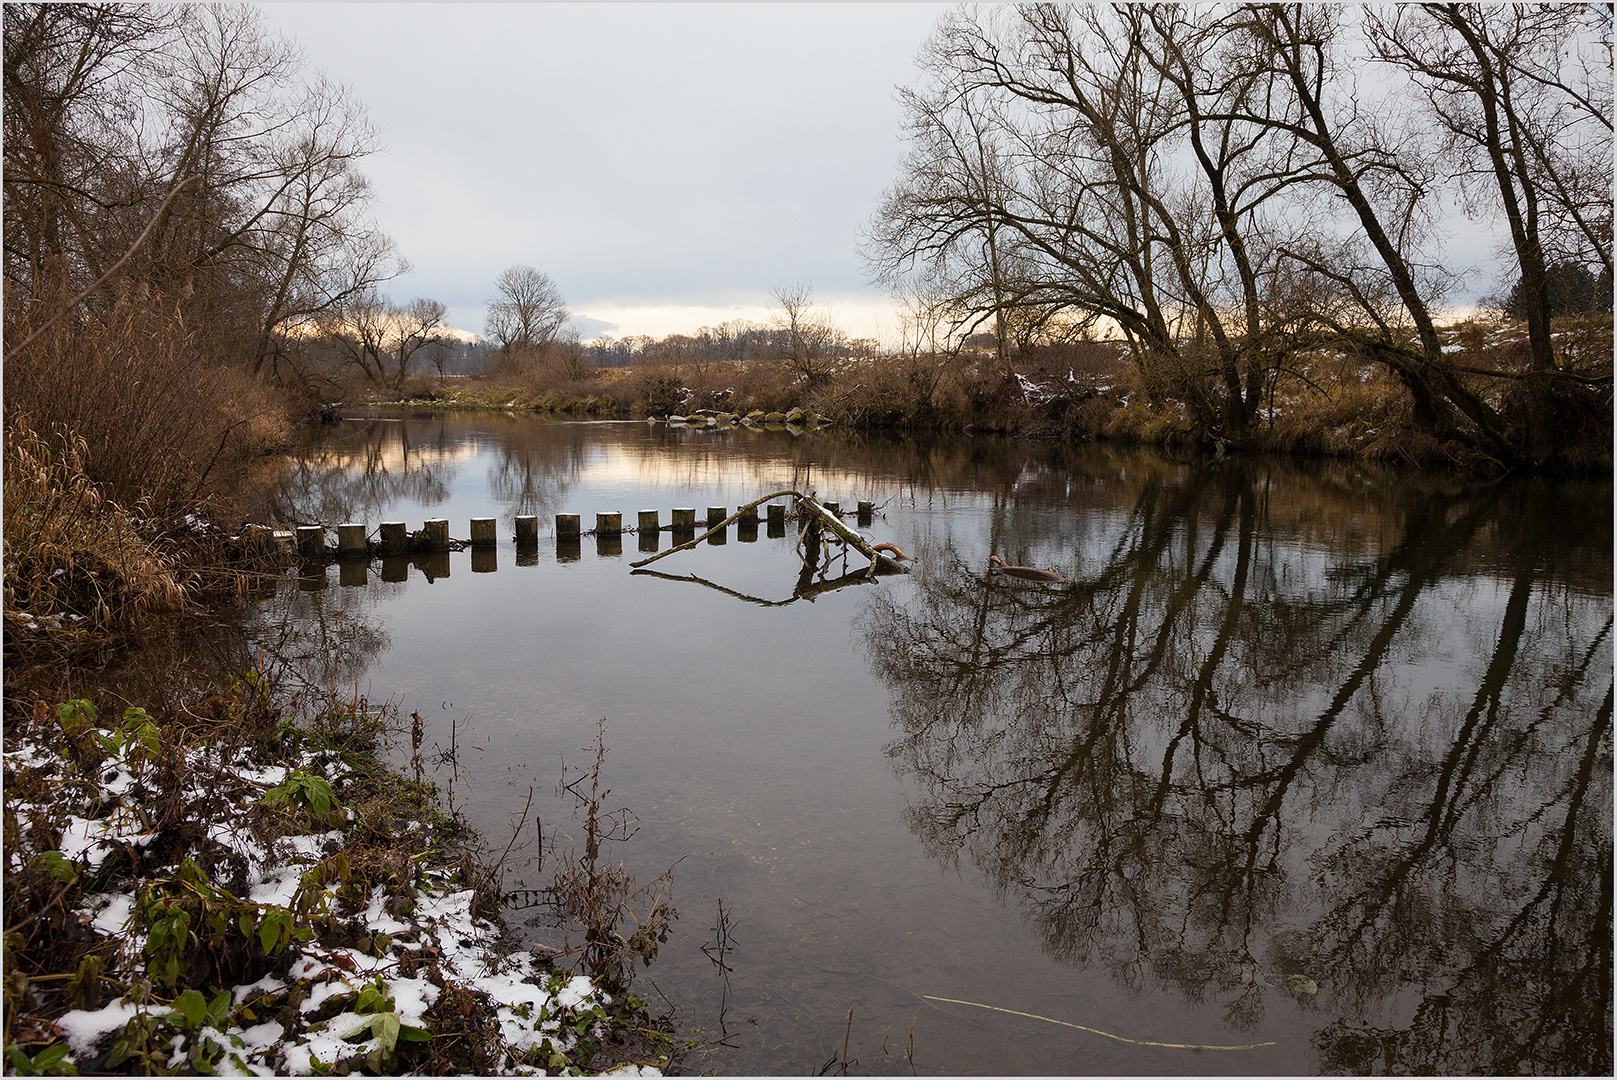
[{"x": 1306, "y": 760}]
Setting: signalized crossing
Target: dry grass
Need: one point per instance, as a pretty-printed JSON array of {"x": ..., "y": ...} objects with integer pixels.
[{"x": 76, "y": 563}]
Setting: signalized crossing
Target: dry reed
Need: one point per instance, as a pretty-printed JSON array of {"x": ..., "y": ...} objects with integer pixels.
[{"x": 75, "y": 561}]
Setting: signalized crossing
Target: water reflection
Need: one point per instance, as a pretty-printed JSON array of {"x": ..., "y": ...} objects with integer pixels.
[
  {"x": 1281, "y": 724},
  {"x": 1226, "y": 753}
]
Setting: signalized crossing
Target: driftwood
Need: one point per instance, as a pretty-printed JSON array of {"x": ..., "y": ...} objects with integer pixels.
[{"x": 833, "y": 524}]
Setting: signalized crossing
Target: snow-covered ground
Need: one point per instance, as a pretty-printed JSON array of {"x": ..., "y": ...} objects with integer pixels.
[{"x": 341, "y": 976}]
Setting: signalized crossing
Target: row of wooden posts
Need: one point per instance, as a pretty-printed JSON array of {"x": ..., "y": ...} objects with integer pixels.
[{"x": 353, "y": 538}]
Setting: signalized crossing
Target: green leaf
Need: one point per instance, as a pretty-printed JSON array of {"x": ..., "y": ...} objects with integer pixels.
[
  {"x": 411, "y": 1033},
  {"x": 386, "y": 1025},
  {"x": 59, "y": 866},
  {"x": 75, "y": 716},
  {"x": 192, "y": 1007},
  {"x": 219, "y": 1008},
  {"x": 270, "y": 928}
]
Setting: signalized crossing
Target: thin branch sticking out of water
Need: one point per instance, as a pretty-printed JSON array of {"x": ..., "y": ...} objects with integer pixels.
[{"x": 1096, "y": 1031}]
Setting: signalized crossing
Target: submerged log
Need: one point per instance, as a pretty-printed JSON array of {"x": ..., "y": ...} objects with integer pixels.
[{"x": 999, "y": 566}]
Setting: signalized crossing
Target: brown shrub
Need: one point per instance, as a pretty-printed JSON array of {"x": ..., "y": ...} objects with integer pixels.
[
  {"x": 895, "y": 390},
  {"x": 159, "y": 421}
]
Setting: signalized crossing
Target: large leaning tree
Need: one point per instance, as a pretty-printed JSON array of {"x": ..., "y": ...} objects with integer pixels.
[{"x": 1220, "y": 185}]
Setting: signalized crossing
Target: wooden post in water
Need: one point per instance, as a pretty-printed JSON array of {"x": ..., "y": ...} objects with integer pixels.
[
  {"x": 311, "y": 542},
  {"x": 835, "y": 508},
  {"x": 866, "y": 511},
  {"x": 715, "y": 514},
  {"x": 685, "y": 518},
  {"x": 483, "y": 533},
  {"x": 351, "y": 541},
  {"x": 567, "y": 526},
  {"x": 748, "y": 513},
  {"x": 395, "y": 539},
  {"x": 258, "y": 537},
  {"x": 438, "y": 535},
  {"x": 650, "y": 530},
  {"x": 609, "y": 524},
  {"x": 527, "y": 531}
]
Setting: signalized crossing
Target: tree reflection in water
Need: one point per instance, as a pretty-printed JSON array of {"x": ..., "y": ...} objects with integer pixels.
[{"x": 1227, "y": 753}]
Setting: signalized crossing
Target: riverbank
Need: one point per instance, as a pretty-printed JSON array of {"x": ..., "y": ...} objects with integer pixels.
[
  {"x": 1325, "y": 402},
  {"x": 224, "y": 888}
]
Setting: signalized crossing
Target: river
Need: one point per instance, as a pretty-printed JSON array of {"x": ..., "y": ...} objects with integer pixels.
[{"x": 1302, "y": 758}]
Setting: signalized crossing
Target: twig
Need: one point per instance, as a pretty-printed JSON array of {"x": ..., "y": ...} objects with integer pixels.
[{"x": 1095, "y": 1031}]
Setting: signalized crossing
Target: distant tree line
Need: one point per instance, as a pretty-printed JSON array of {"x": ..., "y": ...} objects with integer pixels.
[{"x": 1230, "y": 186}]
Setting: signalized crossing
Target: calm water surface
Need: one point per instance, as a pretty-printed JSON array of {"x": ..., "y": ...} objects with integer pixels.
[{"x": 1285, "y": 727}]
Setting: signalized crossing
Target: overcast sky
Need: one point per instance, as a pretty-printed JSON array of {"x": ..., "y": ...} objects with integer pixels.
[{"x": 667, "y": 164}]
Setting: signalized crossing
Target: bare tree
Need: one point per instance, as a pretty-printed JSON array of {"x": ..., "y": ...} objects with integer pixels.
[
  {"x": 357, "y": 334},
  {"x": 1525, "y": 112},
  {"x": 69, "y": 115},
  {"x": 108, "y": 107},
  {"x": 415, "y": 326},
  {"x": 1039, "y": 186},
  {"x": 1213, "y": 183},
  {"x": 528, "y": 310},
  {"x": 807, "y": 338}
]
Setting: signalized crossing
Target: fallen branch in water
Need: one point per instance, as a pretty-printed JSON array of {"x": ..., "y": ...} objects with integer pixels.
[
  {"x": 828, "y": 521},
  {"x": 834, "y": 525},
  {"x": 720, "y": 527},
  {"x": 1095, "y": 1031}
]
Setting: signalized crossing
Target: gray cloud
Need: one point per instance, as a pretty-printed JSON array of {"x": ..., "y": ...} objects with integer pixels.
[{"x": 643, "y": 154}]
